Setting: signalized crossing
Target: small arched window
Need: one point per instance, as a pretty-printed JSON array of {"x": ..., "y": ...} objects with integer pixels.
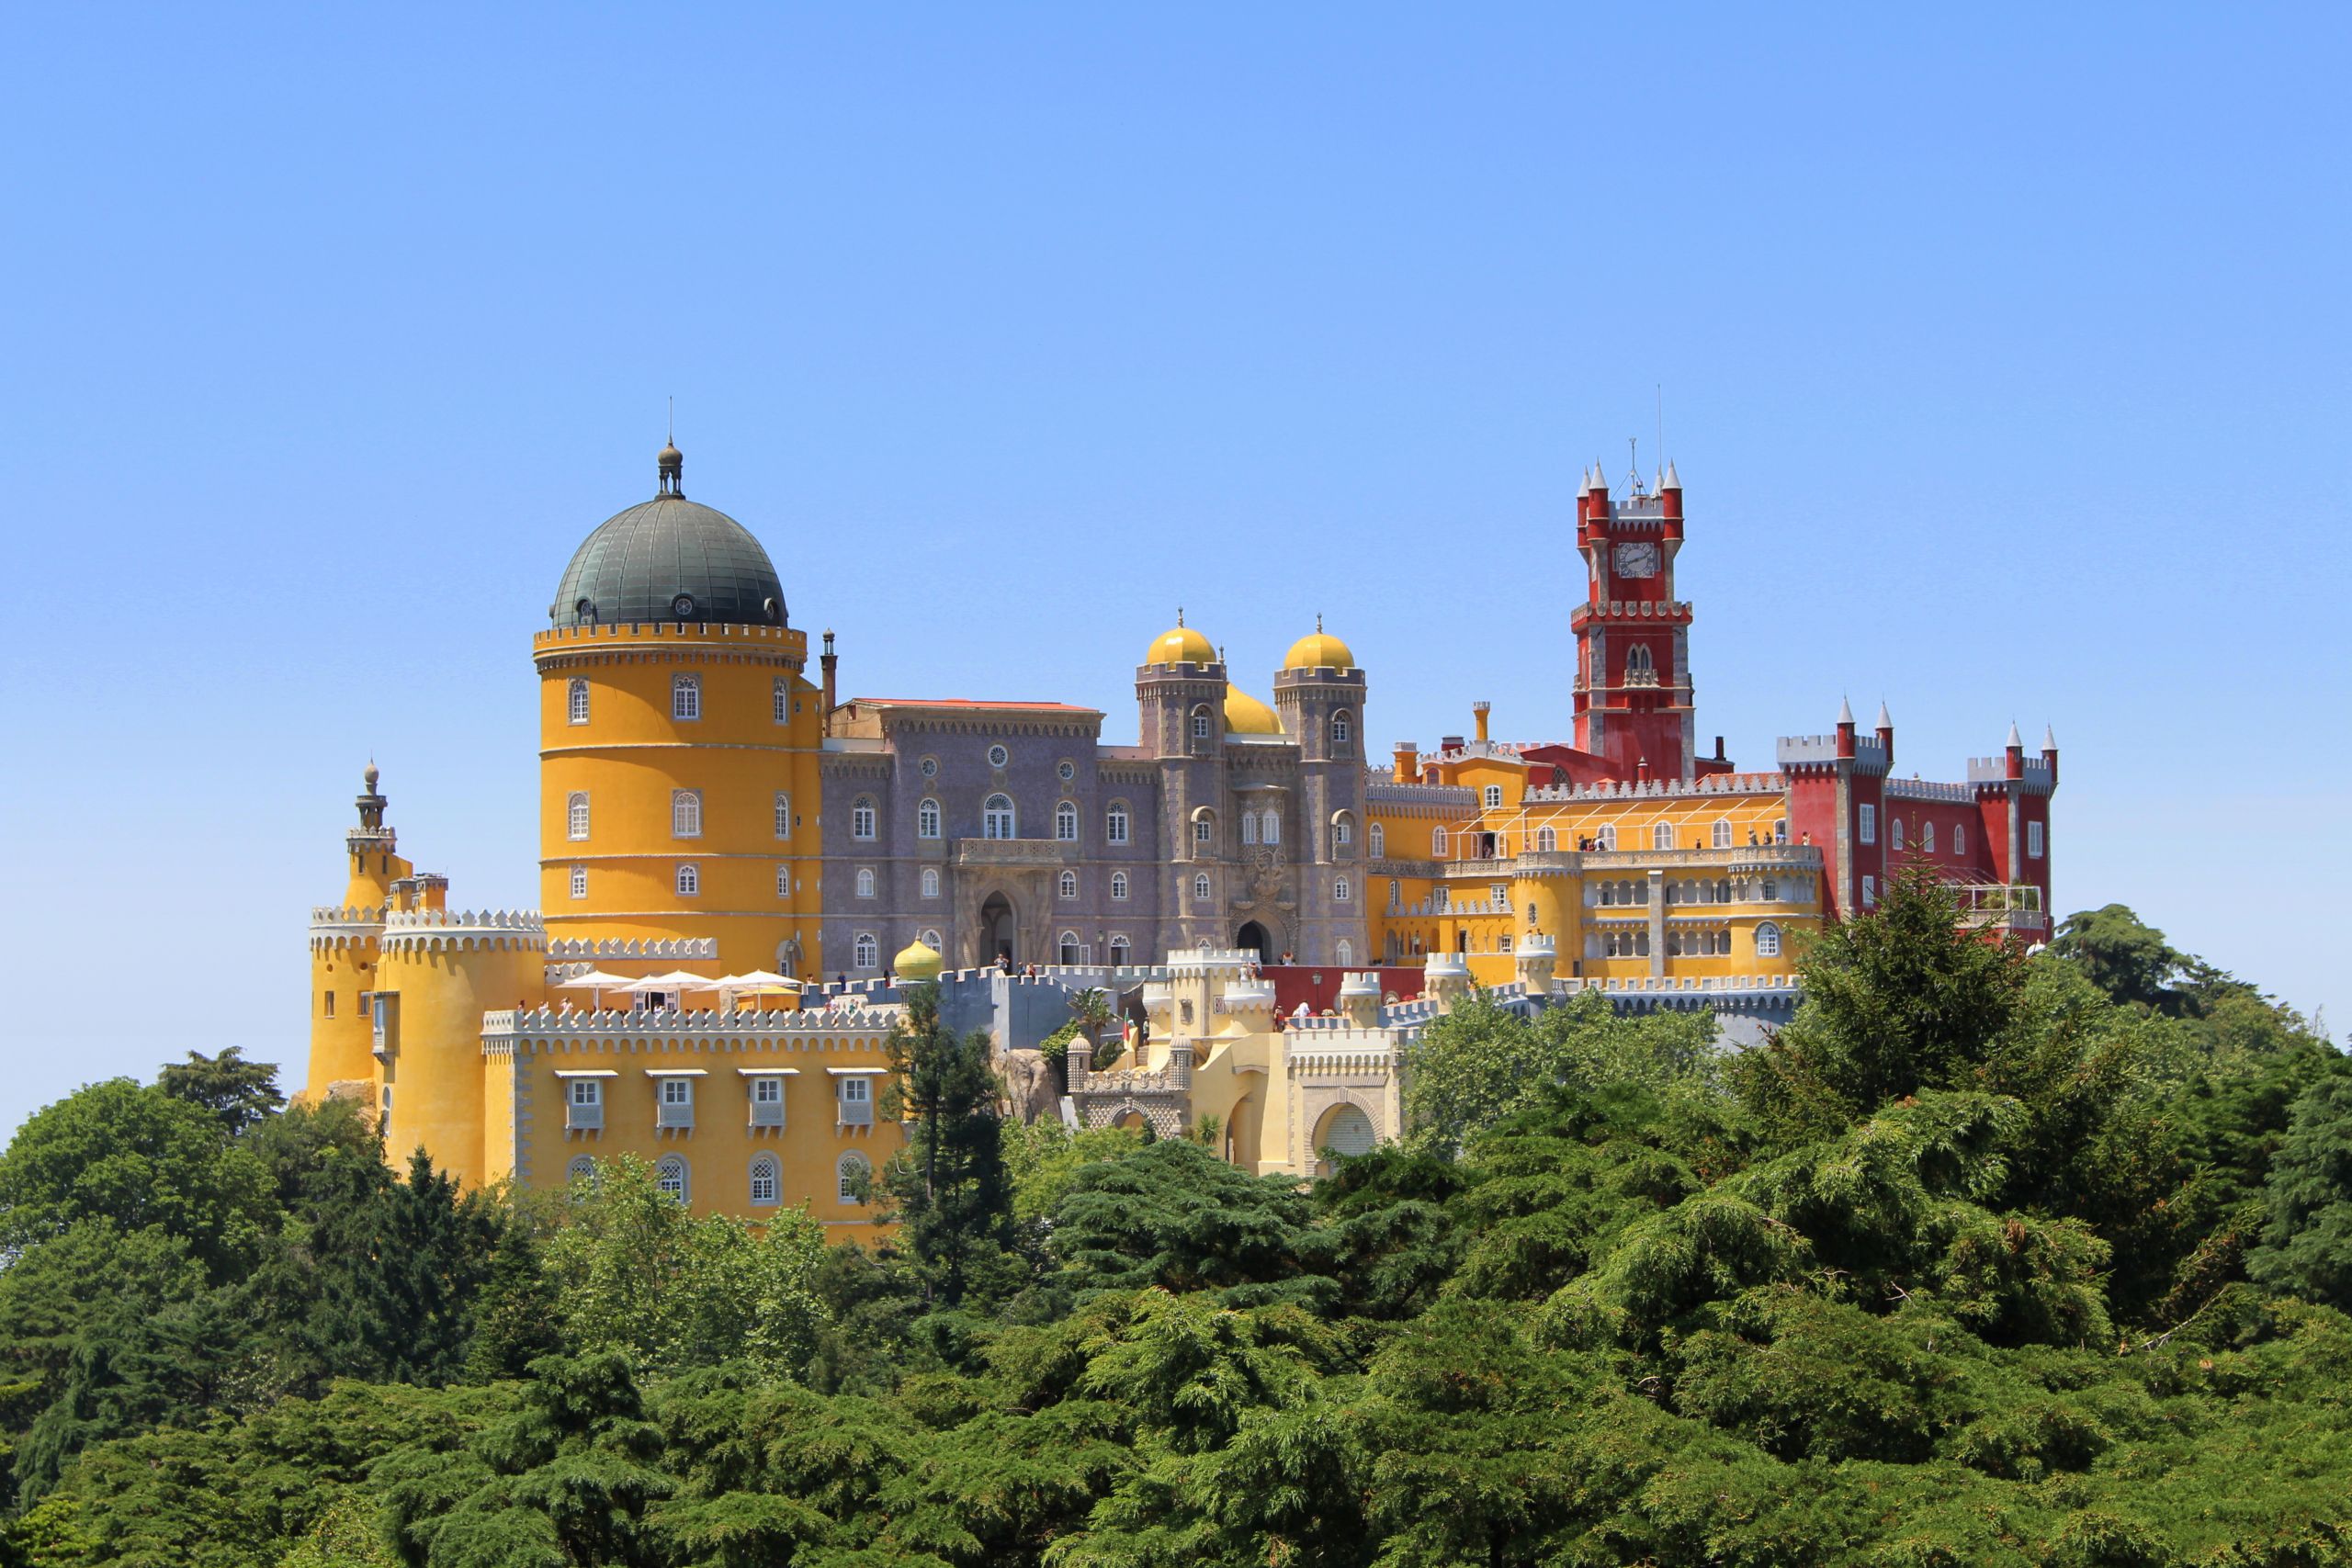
[
  {"x": 783, "y": 814},
  {"x": 862, "y": 817},
  {"x": 931, "y": 882},
  {"x": 996, "y": 818},
  {"x": 1894, "y": 834},
  {"x": 1118, "y": 884},
  {"x": 685, "y": 697},
  {"x": 1068, "y": 887},
  {"x": 1203, "y": 724},
  {"x": 1959, "y": 839},
  {"x": 932, "y": 939},
  {"x": 577, "y": 698},
  {"x": 1781, "y": 831},
  {"x": 1204, "y": 828},
  {"x": 1345, "y": 953},
  {"x": 866, "y": 952},
  {"x": 1606, "y": 837},
  {"x": 1378, "y": 839},
  {"x": 1201, "y": 886},
  {"x": 784, "y": 882},
  {"x": 767, "y": 1186},
  {"x": 1546, "y": 840},
  {"x": 1662, "y": 835},
  {"x": 1723, "y": 833},
  {"x": 1344, "y": 830},
  {"x": 1115, "y": 822},
  {"x": 1771, "y": 891},
  {"x": 685, "y": 814},
  {"x": 927, "y": 819},
  {"x": 689, "y": 881},
  {"x": 1437, "y": 843},
  {"x": 1067, "y": 944},
  {"x": 1343, "y": 727},
  {"x": 1341, "y": 892},
  {"x": 1493, "y": 797},
  {"x": 1119, "y": 949},
  {"x": 1927, "y": 837},
  {"x": 1768, "y": 941},
  {"x": 580, "y": 882},
  {"x": 851, "y": 1177},
  {"x": 865, "y": 881},
  {"x": 582, "y": 1168},
  {"x": 1066, "y": 822},
  {"x": 670, "y": 1174},
  {"x": 1637, "y": 661},
  {"x": 575, "y": 810},
  {"x": 780, "y": 701}
]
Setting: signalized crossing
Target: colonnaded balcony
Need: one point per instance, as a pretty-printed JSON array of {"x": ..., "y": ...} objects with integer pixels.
[{"x": 2002, "y": 907}]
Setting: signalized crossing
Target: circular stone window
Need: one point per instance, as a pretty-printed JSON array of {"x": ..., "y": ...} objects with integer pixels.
[
  {"x": 998, "y": 756},
  {"x": 683, "y": 605},
  {"x": 1069, "y": 771},
  {"x": 929, "y": 767}
]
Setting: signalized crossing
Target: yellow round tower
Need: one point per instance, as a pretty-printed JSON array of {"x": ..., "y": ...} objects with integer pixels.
[
  {"x": 343, "y": 938},
  {"x": 440, "y": 970},
  {"x": 680, "y": 741}
]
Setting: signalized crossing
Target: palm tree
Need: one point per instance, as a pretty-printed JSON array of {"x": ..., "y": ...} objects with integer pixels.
[{"x": 1090, "y": 1011}]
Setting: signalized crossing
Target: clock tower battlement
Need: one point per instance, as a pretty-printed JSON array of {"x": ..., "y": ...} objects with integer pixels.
[{"x": 1633, "y": 695}]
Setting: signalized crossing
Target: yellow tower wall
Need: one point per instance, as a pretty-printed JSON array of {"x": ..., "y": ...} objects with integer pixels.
[
  {"x": 438, "y": 975},
  {"x": 631, "y": 755}
]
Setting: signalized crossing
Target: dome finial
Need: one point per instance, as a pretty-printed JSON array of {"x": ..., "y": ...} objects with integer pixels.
[
  {"x": 1319, "y": 620},
  {"x": 672, "y": 463},
  {"x": 1180, "y": 614}
]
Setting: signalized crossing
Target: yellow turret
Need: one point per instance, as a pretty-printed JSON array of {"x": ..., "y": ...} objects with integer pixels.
[{"x": 344, "y": 951}]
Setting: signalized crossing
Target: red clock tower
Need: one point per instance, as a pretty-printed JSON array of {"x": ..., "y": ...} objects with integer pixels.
[{"x": 1632, "y": 692}]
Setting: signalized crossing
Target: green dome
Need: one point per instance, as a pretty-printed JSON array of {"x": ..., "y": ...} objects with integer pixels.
[{"x": 670, "y": 559}]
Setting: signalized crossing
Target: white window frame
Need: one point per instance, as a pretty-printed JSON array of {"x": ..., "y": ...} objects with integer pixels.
[
  {"x": 674, "y": 1100},
  {"x": 685, "y": 814},
  {"x": 1928, "y": 837},
  {"x": 1202, "y": 889},
  {"x": 1723, "y": 833},
  {"x": 1378, "y": 836},
  {"x": 1959, "y": 837},
  {"x": 1119, "y": 886},
  {"x": 1344, "y": 830},
  {"x": 576, "y": 700},
  {"x": 1116, "y": 824},
  {"x": 1066, "y": 948},
  {"x": 1203, "y": 726},
  {"x": 1270, "y": 830},
  {"x": 999, "y": 818},
  {"x": 672, "y": 1169},
  {"x": 865, "y": 881},
  {"x": 866, "y": 952},
  {"x": 1493, "y": 796},
  {"x": 853, "y": 1099},
  {"x": 931, "y": 882},
  {"x": 1546, "y": 839},
  {"x": 1345, "y": 953},
  {"x": 1248, "y": 827},
  {"x": 927, "y": 819},
  {"x": 931, "y": 939},
  {"x": 783, "y": 814},
  {"x": 780, "y": 701},
  {"x": 1065, "y": 822},
  {"x": 685, "y": 698},
  {"x": 1607, "y": 836},
  {"x": 1894, "y": 834},
  {"x": 782, "y": 881},
  {"x": 1870, "y": 891},
  {"x": 1344, "y": 728},
  {"x": 863, "y": 818},
  {"x": 1661, "y": 835},
  {"x": 582, "y": 1168},
  {"x": 575, "y": 815},
  {"x": 765, "y": 1184},
  {"x": 852, "y": 1160},
  {"x": 1866, "y": 823},
  {"x": 687, "y": 882},
  {"x": 2033, "y": 841},
  {"x": 1768, "y": 940},
  {"x": 1342, "y": 892},
  {"x": 1437, "y": 843},
  {"x": 1204, "y": 828},
  {"x": 1120, "y": 950},
  {"x": 1065, "y": 884},
  {"x": 583, "y": 1104}
]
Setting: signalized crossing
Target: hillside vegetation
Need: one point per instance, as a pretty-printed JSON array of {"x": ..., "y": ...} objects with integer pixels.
[{"x": 1987, "y": 1259}]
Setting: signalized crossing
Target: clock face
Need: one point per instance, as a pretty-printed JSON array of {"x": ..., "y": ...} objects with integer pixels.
[{"x": 1637, "y": 560}]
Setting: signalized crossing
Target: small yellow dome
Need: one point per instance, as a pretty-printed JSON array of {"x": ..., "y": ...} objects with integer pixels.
[
  {"x": 916, "y": 962},
  {"x": 1319, "y": 649},
  {"x": 1245, "y": 714},
  {"x": 1179, "y": 645}
]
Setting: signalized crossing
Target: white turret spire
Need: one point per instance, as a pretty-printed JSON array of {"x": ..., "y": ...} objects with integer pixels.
[
  {"x": 2014, "y": 739},
  {"x": 1885, "y": 719},
  {"x": 1845, "y": 711},
  {"x": 1673, "y": 480},
  {"x": 2049, "y": 739}
]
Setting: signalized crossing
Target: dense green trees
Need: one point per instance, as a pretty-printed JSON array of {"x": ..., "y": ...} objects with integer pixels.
[{"x": 1987, "y": 1258}]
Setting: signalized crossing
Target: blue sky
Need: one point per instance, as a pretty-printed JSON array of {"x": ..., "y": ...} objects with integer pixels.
[{"x": 2004, "y": 354}]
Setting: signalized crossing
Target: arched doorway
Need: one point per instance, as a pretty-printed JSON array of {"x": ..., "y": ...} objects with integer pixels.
[
  {"x": 997, "y": 932},
  {"x": 1252, "y": 937},
  {"x": 1345, "y": 1131}
]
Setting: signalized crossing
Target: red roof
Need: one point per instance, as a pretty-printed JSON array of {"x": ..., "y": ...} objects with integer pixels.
[{"x": 965, "y": 703}]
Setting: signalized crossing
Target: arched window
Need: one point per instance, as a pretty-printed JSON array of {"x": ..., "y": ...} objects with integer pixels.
[
  {"x": 1437, "y": 843},
  {"x": 996, "y": 818},
  {"x": 1201, "y": 722},
  {"x": 1204, "y": 828},
  {"x": 1606, "y": 837},
  {"x": 780, "y": 701},
  {"x": 1959, "y": 839},
  {"x": 767, "y": 1187},
  {"x": 1345, "y": 953},
  {"x": 582, "y": 1168},
  {"x": 685, "y": 814},
  {"x": 580, "y": 882},
  {"x": 1119, "y": 949},
  {"x": 1271, "y": 833},
  {"x": 1068, "y": 887},
  {"x": 784, "y": 882},
  {"x": 1493, "y": 797},
  {"x": 1781, "y": 831},
  {"x": 1661, "y": 835},
  {"x": 1768, "y": 941},
  {"x": 862, "y": 818},
  {"x": 1201, "y": 886},
  {"x": 1771, "y": 891},
  {"x": 685, "y": 697},
  {"x": 1894, "y": 834},
  {"x": 1722, "y": 891},
  {"x": 1927, "y": 837},
  {"x": 1067, "y": 944},
  {"x": 577, "y": 697},
  {"x": 1674, "y": 944},
  {"x": 575, "y": 809},
  {"x": 1637, "y": 662},
  {"x": 931, "y": 882},
  {"x": 1343, "y": 727},
  {"x": 1723, "y": 833},
  {"x": 1248, "y": 827},
  {"x": 927, "y": 819},
  {"x": 783, "y": 814},
  {"x": 1341, "y": 892},
  {"x": 1378, "y": 838},
  {"x": 866, "y": 954},
  {"x": 1608, "y": 892},
  {"x": 1066, "y": 822},
  {"x": 689, "y": 882},
  {"x": 1344, "y": 830},
  {"x": 851, "y": 1177},
  {"x": 932, "y": 939},
  {"x": 1118, "y": 884},
  {"x": 670, "y": 1174},
  {"x": 865, "y": 881},
  {"x": 1396, "y": 892},
  {"x": 1546, "y": 840},
  {"x": 1115, "y": 822}
]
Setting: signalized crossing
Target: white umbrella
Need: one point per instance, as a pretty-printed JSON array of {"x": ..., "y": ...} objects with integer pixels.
[
  {"x": 595, "y": 981},
  {"x": 675, "y": 980}
]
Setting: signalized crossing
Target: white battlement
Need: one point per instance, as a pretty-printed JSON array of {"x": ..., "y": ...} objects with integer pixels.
[
  {"x": 463, "y": 931},
  {"x": 1798, "y": 750},
  {"x": 1204, "y": 960},
  {"x": 2036, "y": 772},
  {"x": 707, "y": 1026},
  {"x": 471, "y": 920},
  {"x": 589, "y": 951},
  {"x": 357, "y": 914},
  {"x": 1665, "y": 789}
]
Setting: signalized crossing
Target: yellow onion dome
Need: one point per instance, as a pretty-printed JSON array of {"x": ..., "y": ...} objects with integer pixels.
[
  {"x": 916, "y": 962},
  {"x": 1245, "y": 714},
  {"x": 1319, "y": 649},
  {"x": 1179, "y": 645}
]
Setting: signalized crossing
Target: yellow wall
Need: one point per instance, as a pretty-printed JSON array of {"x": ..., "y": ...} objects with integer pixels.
[
  {"x": 632, "y": 755},
  {"x": 438, "y": 992}
]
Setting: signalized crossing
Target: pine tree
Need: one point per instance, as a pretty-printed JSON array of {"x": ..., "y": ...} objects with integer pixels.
[{"x": 949, "y": 1185}]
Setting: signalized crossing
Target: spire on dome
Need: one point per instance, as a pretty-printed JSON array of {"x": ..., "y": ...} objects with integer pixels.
[
  {"x": 1845, "y": 711},
  {"x": 2014, "y": 739},
  {"x": 1885, "y": 719}
]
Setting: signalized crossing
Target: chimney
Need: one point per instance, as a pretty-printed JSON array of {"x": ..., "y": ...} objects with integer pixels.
[
  {"x": 828, "y": 662},
  {"x": 1719, "y": 750},
  {"x": 1409, "y": 760},
  {"x": 1478, "y": 712},
  {"x": 1641, "y": 770}
]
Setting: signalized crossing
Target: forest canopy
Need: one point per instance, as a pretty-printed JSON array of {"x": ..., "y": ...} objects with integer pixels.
[{"x": 1986, "y": 1257}]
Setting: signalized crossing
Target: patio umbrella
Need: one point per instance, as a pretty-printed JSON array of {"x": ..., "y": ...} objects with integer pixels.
[
  {"x": 675, "y": 980},
  {"x": 759, "y": 980},
  {"x": 595, "y": 982}
]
